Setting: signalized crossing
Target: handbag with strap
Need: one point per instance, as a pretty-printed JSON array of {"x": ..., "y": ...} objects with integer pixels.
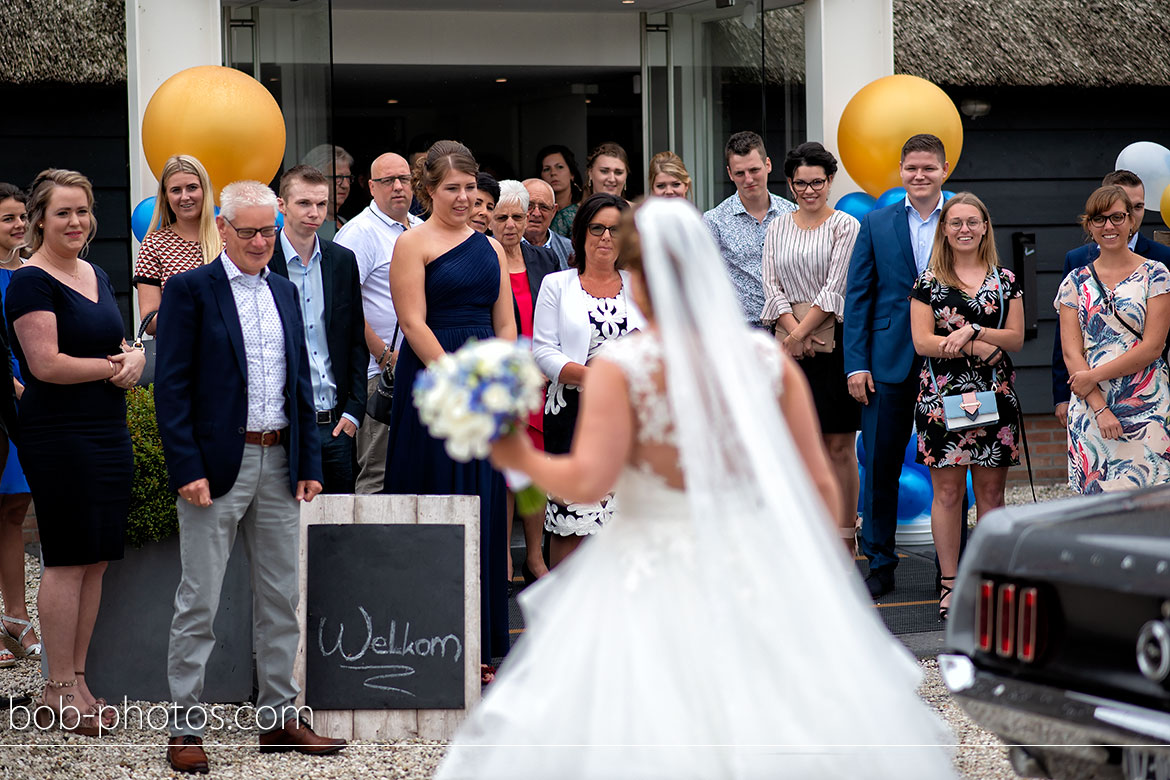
[
  {"x": 973, "y": 409},
  {"x": 824, "y": 331},
  {"x": 147, "y": 348},
  {"x": 379, "y": 403}
]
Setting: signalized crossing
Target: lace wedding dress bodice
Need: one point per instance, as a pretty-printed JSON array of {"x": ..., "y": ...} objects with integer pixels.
[{"x": 639, "y": 355}]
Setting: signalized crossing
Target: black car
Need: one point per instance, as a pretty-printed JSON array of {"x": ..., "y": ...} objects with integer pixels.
[{"x": 1059, "y": 635}]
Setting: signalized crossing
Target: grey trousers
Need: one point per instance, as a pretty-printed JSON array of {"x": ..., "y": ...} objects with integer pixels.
[
  {"x": 372, "y": 440},
  {"x": 261, "y": 508}
]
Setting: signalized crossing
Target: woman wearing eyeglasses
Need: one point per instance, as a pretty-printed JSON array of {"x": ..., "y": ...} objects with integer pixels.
[
  {"x": 577, "y": 312},
  {"x": 1114, "y": 314},
  {"x": 965, "y": 313},
  {"x": 805, "y": 262}
]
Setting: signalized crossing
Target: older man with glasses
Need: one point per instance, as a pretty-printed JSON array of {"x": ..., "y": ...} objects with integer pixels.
[
  {"x": 542, "y": 207},
  {"x": 371, "y": 236},
  {"x": 337, "y": 165}
]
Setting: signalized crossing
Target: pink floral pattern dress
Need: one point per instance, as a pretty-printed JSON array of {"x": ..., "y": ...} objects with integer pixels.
[
  {"x": 1141, "y": 401},
  {"x": 990, "y": 446}
]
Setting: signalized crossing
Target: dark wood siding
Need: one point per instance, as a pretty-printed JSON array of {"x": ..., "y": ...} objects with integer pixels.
[
  {"x": 83, "y": 128},
  {"x": 1034, "y": 159}
]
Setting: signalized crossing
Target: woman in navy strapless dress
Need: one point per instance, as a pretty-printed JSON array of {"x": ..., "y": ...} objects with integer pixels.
[{"x": 448, "y": 287}]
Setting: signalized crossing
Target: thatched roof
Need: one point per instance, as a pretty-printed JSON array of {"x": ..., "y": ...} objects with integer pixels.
[
  {"x": 67, "y": 41},
  {"x": 1082, "y": 43},
  {"x": 1079, "y": 43}
]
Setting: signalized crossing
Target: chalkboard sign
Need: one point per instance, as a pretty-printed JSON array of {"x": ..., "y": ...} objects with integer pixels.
[{"x": 385, "y": 617}]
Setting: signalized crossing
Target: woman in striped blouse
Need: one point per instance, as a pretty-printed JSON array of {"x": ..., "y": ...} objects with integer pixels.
[{"x": 806, "y": 259}]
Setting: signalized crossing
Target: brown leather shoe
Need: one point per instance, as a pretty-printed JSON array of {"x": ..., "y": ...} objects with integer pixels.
[
  {"x": 296, "y": 735},
  {"x": 185, "y": 754}
]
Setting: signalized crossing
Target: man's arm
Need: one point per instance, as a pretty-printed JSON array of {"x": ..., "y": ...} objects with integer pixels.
[
  {"x": 355, "y": 404},
  {"x": 309, "y": 457},
  {"x": 860, "y": 284},
  {"x": 178, "y": 326}
]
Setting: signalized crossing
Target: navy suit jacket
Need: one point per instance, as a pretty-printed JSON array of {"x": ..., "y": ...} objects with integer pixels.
[
  {"x": 877, "y": 297},
  {"x": 200, "y": 382},
  {"x": 345, "y": 323},
  {"x": 1078, "y": 258}
]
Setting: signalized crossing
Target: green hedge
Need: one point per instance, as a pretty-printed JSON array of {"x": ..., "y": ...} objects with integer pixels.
[{"x": 153, "y": 516}]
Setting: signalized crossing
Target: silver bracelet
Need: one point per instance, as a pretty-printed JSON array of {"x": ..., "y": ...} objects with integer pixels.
[{"x": 1097, "y": 412}]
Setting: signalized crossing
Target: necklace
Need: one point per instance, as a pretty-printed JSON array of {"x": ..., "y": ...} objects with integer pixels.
[{"x": 75, "y": 274}]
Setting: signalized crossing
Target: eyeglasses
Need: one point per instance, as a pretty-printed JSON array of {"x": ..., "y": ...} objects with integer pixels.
[
  {"x": 534, "y": 206},
  {"x": 598, "y": 229},
  {"x": 343, "y": 178},
  {"x": 388, "y": 181},
  {"x": 799, "y": 185},
  {"x": 250, "y": 233},
  {"x": 501, "y": 217},
  {"x": 1117, "y": 218},
  {"x": 957, "y": 224}
]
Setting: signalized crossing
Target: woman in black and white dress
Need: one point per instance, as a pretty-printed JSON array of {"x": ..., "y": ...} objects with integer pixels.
[
  {"x": 577, "y": 311},
  {"x": 806, "y": 260}
]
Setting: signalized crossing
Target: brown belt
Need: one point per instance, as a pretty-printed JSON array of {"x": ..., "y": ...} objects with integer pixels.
[{"x": 264, "y": 438}]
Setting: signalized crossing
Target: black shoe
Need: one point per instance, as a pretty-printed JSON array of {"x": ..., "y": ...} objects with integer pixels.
[{"x": 879, "y": 583}]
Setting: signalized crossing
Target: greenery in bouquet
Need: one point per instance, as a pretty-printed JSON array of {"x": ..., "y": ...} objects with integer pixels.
[{"x": 153, "y": 516}]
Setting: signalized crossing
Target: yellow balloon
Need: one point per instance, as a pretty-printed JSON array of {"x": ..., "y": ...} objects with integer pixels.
[
  {"x": 882, "y": 116},
  {"x": 1165, "y": 205},
  {"x": 225, "y": 118}
]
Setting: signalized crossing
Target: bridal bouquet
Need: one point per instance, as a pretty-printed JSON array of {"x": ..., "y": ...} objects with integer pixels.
[{"x": 484, "y": 390}]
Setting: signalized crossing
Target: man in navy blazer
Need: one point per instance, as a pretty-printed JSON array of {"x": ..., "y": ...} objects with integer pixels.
[
  {"x": 892, "y": 249},
  {"x": 235, "y": 410},
  {"x": 326, "y": 277},
  {"x": 1087, "y": 253}
]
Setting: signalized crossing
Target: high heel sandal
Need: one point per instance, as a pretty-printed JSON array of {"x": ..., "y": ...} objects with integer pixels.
[
  {"x": 66, "y": 714},
  {"x": 109, "y": 717},
  {"x": 16, "y": 643},
  {"x": 944, "y": 591}
]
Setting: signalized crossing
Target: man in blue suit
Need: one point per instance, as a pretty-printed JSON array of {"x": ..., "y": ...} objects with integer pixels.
[
  {"x": 892, "y": 249},
  {"x": 1087, "y": 253},
  {"x": 235, "y": 410}
]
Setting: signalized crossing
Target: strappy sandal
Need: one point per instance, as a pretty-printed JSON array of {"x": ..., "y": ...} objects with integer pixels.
[
  {"x": 944, "y": 591},
  {"x": 66, "y": 714},
  {"x": 109, "y": 717},
  {"x": 16, "y": 642},
  {"x": 7, "y": 659},
  {"x": 487, "y": 674}
]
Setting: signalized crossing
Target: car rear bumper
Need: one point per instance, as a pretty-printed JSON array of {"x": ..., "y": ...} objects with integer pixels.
[{"x": 1077, "y": 725}]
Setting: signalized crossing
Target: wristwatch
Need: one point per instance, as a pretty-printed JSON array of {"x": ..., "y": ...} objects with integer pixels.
[{"x": 975, "y": 326}]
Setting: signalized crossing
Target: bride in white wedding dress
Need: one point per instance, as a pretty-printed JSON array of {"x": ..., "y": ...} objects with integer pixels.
[{"x": 715, "y": 629}]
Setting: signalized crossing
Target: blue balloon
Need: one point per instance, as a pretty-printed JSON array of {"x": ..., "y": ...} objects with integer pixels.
[
  {"x": 141, "y": 216},
  {"x": 280, "y": 224},
  {"x": 914, "y": 495},
  {"x": 911, "y": 453},
  {"x": 860, "y": 450},
  {"x": 856, "y": 204},
  {"x": 947, "y": 195},
  {"x": 970, "y": 491},
  {"x": 890, "y": 197}
]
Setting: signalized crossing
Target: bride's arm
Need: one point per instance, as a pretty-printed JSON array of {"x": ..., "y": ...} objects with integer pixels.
[
  {"x": 601, "y": 442},
  {"x": 796, "y": 405}
]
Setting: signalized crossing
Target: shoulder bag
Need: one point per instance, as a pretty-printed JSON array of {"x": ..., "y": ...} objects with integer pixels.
[
  {"x": 971, "y": 409},
  {"x": 1106, "y": 295},
  {"x": 382, "y": 399},
  {"x": 147, "y": 348}
]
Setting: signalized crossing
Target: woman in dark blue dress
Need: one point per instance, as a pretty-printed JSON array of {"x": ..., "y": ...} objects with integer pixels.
[
  {"x": 74, "y": 446},
  {"x": 450, "y": 284}
]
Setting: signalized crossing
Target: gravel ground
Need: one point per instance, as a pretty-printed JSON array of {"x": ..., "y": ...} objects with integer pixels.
[{"x": 136, "y": 751}]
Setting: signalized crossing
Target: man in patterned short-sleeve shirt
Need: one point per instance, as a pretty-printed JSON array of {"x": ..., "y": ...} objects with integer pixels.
[{"x": 740, "y": 223}]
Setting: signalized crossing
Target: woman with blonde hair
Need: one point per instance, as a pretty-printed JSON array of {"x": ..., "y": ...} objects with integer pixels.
[
  {"x": 668, "y": 177},
  {"x": 182, "y": 232},
  {"x": 966, "y": 313}
]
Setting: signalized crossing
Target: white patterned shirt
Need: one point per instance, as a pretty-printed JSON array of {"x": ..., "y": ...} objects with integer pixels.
[
  {"x": 807, "y": 266},
  {"x": 263, "y": 347},
  {"x": 741, "y": 242}
]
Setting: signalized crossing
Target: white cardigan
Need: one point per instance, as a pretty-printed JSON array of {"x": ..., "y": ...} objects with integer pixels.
[{"x": 560, "y": 322}]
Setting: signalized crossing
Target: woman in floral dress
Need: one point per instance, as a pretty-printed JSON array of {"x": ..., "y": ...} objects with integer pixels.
[
  {"x": 965, "y": 314},
  {"x": 1114, "y": 314}
]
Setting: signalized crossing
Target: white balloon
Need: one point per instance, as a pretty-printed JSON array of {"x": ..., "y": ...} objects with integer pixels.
[{"x": 1151, "y": 162}]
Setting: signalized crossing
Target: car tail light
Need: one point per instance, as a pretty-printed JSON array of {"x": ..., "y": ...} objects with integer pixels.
[
  {"x": 1026, "y": 630},
  {"x": 985, "y": 615},
  {"x": 1005, "y": 623}
]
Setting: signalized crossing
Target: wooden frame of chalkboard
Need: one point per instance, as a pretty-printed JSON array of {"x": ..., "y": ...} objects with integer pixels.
[{"x": 393, "y": 724}]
